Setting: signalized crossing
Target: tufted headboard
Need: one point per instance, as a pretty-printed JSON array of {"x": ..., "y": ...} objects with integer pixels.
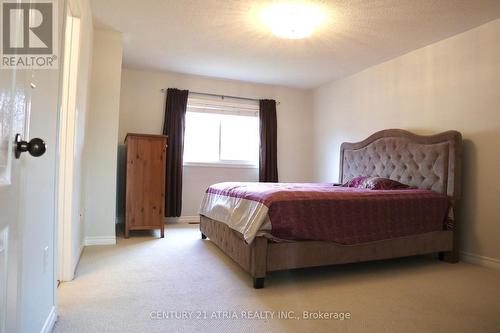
[{"x": 428, "y": 162}]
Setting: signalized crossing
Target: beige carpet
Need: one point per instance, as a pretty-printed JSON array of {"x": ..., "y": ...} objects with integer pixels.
[{"x": 118, "y": 287}]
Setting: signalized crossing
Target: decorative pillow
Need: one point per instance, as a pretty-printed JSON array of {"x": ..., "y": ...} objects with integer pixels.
[{"x": 375, "y": 183}]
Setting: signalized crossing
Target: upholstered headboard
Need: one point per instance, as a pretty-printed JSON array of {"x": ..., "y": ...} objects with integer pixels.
[{"x": 429, "y": 162}]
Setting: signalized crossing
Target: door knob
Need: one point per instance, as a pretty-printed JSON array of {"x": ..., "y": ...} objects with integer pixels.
[{"x": 36, "y": 147}]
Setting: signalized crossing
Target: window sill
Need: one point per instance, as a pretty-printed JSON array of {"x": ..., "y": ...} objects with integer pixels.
[{"x": 220, "y": 165}]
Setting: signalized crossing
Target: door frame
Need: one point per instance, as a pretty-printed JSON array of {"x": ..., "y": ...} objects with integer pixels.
[{"x": 66, "y": 145}]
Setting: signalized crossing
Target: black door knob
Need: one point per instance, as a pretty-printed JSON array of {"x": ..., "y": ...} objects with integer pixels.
[{"x": 36, "y": 147}]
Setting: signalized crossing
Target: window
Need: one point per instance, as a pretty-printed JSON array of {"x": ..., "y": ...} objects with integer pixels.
[{"x": 221, "y": 133}]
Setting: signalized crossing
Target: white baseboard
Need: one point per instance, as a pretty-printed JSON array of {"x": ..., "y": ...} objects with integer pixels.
[
  {"x": 100, "y": 240},
  {"x": 480, "y": 260},
  {"x": 50, "y": 321},
  {"x": 184, "y": 219}
]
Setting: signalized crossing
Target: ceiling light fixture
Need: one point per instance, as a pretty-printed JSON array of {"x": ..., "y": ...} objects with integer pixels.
[{"x": 293, "y": 20}]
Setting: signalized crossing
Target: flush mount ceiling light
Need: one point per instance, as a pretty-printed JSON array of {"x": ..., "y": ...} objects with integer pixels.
[{"x": 293, "y": 20}]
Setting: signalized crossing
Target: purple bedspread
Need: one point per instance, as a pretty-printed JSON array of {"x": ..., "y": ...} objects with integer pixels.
[{"x": 343, "y": 215}]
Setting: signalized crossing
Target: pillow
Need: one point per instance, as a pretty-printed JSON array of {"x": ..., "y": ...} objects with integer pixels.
[{"x": 375, "y": 183}]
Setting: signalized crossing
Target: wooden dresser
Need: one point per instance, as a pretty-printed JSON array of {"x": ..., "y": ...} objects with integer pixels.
[{"x": 145, "y": 184}]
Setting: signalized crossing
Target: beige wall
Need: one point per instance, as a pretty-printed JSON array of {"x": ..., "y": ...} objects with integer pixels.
[
  {"x": 142, "y": 110},
  {"x": 452, "y": 84},
  {"x": 101, "y": 138},
  {"x": 82, "y": 106}
]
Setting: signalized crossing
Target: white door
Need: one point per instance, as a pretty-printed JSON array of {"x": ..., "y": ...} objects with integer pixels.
[
  {"x": 11, "y": 121},
  {"x": 28, "y": 107}
]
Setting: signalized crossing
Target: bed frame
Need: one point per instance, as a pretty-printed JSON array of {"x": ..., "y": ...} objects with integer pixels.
[{"x": 428, "y": 162}]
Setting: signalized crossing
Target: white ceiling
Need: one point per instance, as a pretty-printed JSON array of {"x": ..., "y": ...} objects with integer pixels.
[{"x": 223, "y": 38}]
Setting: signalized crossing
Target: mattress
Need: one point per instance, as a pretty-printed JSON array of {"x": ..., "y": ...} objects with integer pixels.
[{"x": 324, "y": 212}]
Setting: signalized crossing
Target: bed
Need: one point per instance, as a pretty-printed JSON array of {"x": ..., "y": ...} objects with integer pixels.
[{"x": 431, "y": 165}]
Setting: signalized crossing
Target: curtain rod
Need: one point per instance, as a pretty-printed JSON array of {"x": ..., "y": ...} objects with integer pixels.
[{"x": 163, "y": 90}]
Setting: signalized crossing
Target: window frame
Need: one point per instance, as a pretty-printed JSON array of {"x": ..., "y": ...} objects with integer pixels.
[{"x": 229, "y": 107}]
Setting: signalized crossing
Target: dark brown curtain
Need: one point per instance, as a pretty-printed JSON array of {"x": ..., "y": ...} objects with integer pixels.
[
  {"x": 268, "y": 158},
  {"x": 173, "y": 127}
]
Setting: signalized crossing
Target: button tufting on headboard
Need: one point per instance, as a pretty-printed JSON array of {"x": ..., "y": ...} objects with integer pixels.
[{"x": 427, "y": 162}]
